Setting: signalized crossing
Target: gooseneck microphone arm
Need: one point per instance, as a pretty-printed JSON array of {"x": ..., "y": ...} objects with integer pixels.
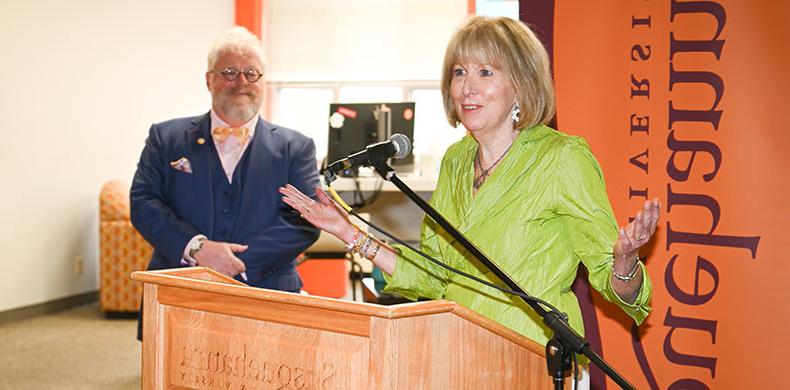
[{"x": 565, "y": 340}]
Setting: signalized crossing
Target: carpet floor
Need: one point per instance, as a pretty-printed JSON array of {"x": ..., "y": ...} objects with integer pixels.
[{"x": 72, "y": 349}]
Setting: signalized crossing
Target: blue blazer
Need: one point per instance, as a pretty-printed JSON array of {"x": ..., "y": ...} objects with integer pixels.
[{"x": 170, "y": 206}]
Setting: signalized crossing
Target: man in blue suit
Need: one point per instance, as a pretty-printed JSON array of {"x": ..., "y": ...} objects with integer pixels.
[{"x": 205, "y": 190}]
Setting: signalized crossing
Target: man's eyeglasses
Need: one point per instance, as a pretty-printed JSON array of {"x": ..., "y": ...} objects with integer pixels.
[{"x": 231, "y": 74}]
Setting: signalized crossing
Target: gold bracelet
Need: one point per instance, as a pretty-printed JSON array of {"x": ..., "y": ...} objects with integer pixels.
[
  {"x": 630, "y": 276},
  {"x": 365, "y": 244}
]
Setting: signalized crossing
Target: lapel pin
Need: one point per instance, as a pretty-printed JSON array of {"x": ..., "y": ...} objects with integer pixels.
[{"x": 201, "y": 141}]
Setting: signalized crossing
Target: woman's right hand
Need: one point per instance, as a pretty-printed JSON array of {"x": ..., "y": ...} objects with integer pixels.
[
  {"x": 328, "y": 216},
  {"x": 325, "y": 214}
]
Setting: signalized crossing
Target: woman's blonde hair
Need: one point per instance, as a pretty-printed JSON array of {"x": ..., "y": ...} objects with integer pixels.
[{"x": 513, "y": 48}]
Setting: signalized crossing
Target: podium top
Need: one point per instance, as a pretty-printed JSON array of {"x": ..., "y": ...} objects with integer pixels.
[{"x": 205, "y": 280}]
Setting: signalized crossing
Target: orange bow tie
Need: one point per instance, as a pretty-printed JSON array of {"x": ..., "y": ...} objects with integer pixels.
[{"x": 222, "y": 133}]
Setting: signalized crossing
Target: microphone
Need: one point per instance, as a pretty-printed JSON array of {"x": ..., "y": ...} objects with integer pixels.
[{"x": 397, "y": 147}]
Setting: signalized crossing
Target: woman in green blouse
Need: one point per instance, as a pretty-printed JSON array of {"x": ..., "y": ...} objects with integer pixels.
[{"x": 531, "y": 198}]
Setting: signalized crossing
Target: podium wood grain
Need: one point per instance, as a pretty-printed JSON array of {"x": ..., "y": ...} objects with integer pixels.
[{"x": 203, "y": 330}]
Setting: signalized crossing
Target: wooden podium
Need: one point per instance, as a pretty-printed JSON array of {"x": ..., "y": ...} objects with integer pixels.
[{"x": 203, "y": 330}]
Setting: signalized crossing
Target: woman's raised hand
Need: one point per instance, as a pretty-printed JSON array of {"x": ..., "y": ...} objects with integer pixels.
[
  {"x": 639, "y": 231},
  {"x": 325, "y": 214}
]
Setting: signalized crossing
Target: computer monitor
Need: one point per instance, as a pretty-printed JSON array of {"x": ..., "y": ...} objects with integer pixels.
[{"x": 353, "y": 126}]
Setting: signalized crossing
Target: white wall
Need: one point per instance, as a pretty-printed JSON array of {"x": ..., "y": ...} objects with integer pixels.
[
  {"x": 358, "y": 40},
  {"x": 80, "y": 83}
]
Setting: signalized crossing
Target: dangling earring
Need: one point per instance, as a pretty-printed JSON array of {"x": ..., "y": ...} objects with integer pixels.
[{"x": 516, "y": 114}]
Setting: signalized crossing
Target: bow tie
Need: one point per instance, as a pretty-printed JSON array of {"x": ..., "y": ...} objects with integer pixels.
[{"x": 222, "y": 133}]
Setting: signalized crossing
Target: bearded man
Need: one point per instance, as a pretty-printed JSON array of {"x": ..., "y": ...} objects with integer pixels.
[{"x": 205, "y": 189}]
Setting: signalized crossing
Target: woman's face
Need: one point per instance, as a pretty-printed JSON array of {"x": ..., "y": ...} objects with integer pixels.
[{"x": 483, "y": 97}]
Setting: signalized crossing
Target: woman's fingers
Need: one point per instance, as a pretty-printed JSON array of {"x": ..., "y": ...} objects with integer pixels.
[
  {"x": 625, "y": 242},
  {"x": 298, "y": 195},
  {"x": 647, "y": 217},
  {"x": 640, "y": 230},
  {"x": 651, "y": 212},
  {"x": 655, "y": 208},
  {"x": 644, "y": 224},
  {"x": 299, "y": 201},
  {"x": 323, "y": 197},
  {"x": 294, "y": 204},
  {"x": 324, "y": 213}
]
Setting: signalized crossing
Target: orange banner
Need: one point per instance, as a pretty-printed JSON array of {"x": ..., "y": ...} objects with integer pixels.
[{"x": 687, "y": 101}]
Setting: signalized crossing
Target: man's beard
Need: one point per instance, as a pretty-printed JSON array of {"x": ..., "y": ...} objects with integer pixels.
[{"x": 239, "y": 111}]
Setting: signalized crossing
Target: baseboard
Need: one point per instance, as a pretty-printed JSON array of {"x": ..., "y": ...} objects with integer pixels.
[
  {"x": 48, "y": 307},
  {"x": 120, "y": 315}
]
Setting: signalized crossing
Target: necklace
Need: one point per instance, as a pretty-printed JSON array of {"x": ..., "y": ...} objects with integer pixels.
[{"x": 484, "y": 172}]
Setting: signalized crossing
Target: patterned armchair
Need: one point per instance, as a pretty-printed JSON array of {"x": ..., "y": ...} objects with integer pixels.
[{"x": 122, "y": 250}]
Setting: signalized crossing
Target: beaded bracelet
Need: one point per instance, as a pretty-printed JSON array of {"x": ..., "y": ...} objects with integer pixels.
[
  {"x": 362, "y": 248},
  {"x": 631, "y": 275},
  {"x": 365, "y": 244}
]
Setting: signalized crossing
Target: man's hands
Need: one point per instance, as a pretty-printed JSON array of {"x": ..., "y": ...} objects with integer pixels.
[{"x": 220, "y": 257}]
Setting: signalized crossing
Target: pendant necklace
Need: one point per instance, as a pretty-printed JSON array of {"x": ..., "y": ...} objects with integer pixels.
[{"x": 484, "y": 172}]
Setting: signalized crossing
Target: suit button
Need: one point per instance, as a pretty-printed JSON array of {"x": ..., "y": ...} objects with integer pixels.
[
  {"x": 225, "y": 212},
  {"x": 227, "y": 194}
]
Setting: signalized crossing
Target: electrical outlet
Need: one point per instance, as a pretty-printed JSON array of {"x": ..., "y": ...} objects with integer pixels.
[{"x": 78, "y": 265}]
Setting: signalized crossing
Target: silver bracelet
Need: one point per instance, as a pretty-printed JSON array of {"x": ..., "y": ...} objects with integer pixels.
[{"x": 631, "y": 275}]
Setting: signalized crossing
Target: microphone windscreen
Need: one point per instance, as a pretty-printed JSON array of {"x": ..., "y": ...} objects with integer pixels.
[{"x": 402, "y": 145}]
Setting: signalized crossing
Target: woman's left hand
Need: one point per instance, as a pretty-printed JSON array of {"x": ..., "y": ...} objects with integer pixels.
[{"x": 639, "y": 231}]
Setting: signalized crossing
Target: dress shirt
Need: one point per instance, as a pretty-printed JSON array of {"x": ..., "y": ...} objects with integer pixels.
[{"x": 231, "y": 150}]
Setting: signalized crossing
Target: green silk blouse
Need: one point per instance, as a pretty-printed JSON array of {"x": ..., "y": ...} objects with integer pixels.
[{"x": 543, "y": 211}]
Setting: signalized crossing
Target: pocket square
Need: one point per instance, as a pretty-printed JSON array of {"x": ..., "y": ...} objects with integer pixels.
[{"x": 182, "y": 164}]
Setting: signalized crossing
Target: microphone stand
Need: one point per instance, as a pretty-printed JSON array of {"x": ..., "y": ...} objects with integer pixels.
[{"x": 565, "y": 340}]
